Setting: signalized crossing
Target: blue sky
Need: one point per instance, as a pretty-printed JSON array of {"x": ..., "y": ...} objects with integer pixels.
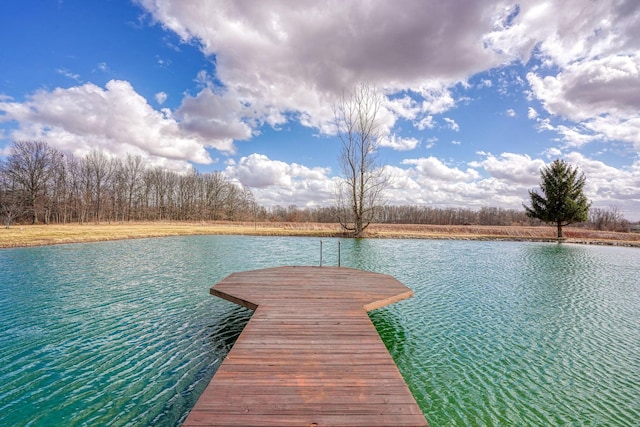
[{"x": 478, "y": 95}]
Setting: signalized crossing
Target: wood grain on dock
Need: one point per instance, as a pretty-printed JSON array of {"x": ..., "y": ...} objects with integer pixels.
[{"x": 310, "y": 355}]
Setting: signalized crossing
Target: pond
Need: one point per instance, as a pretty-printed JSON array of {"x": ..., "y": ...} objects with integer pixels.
[{"x": 497, "y": 333}]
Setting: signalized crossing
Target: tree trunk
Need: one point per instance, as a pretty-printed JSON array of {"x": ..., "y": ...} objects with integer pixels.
[
  {"x": 560, "y": 236},
  {"x": 358, "y": 229}
]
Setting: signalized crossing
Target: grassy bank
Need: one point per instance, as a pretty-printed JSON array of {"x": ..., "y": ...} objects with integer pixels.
[{"x": 37, "y": 235}]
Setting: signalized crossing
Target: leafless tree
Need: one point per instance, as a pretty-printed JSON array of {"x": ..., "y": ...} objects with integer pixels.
[
  {"x": 11, "y": 206},
  {"x": 30, "y": 165},
  {"x": 216, "y": 187},
  {"x": 97, "y": 187},
  {"x": 99, "y": 167},
  {"x": 131, "y": 172},
  {"x": 360, "y": 191},
  {"x": 610, "y": 219}
]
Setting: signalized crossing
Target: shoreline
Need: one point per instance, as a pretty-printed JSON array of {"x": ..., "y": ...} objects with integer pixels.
[{"x": 56, "y": 234}]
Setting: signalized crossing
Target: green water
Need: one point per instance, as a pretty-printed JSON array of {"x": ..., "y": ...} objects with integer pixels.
[{"x": 125, "y": 333}]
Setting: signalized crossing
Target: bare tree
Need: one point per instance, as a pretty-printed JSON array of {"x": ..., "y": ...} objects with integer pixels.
[
  {"x": 30, "y": 165},
  {"x": 610, "y": 219},
  {"x": 359, "y": 193},
  {"x": 10, "y": 197},
  {"x": 99, "y": 167},
  {"x": 133, "y": 170},
  {"x": 215, "y": 193}
]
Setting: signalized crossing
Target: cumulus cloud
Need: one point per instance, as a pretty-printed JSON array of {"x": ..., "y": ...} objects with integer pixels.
[
  {"x": 426, "y": 123},
  {"x": 399, "y": 143},
  {"x": 272, "y": 58},
  {"x": 499, "y": 181},
  {"x": 561, "y": 33},
  {"x": 269, "y": 58},
  {"x": 429, "y": 181},
  {"x": 115, "y": 119},
  {"x": 590, "y": 88},
  {"x": 216, "y": 117},
  {"x": 292, "y": 60},
  {"x": 405, "y": 107},
  {"x": 278, "y": 183},
  {"x": 513, "y": 169},
  {"x": 607, "y": 186},
  {"x": 434, "y": 168},
  {"x": 161, "y": 97},
  {"x": 597, "y": 90},
  {"x": 591, "y": 68}
]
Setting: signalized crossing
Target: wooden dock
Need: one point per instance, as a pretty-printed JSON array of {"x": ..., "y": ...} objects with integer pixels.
[{"x": 309, "y": 355}]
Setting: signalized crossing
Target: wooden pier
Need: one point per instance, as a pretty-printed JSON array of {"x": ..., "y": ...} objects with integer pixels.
[{"x": 309, "y": 355}]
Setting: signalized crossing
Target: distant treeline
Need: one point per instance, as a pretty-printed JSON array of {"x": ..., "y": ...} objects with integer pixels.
[
  {"x": 38, "y": 184},
  {"x": 599, "y": 219}
]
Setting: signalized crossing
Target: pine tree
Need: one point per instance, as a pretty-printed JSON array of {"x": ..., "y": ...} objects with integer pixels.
[{"x": 563, "y": 201}]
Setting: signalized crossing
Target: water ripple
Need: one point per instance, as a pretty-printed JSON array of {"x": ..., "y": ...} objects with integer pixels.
[
  {"x": 125, "y": 333},
  {"x": 530, "y": 335}
]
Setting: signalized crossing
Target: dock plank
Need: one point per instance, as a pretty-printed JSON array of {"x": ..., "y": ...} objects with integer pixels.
[{"x": 309, "y": 355}]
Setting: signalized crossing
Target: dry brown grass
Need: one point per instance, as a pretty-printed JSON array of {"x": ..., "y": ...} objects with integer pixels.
[{"x": 37, "y": 235}]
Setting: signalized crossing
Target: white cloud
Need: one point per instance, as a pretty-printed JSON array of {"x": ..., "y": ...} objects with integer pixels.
[
  {"x": 431, "y": 167},
  {"x": 292, "y": 60},
  {"x": 511, "y": 112},
  {"x": 591, "y": 68},
  {"x": 451, "y": 124},
  {"x": 513, "y": 169},
  {"x": 258, "y": 171},
  {"x": 399, "y": 143},
  {"x": 561, "y": 33},
  {"x": 69, "y": 74},
  {"x": 625, "y": 129},
  {"x": 553, "y": 153},
  {"x": 115, "y": 119},
  {"x": 274, "y": 182},
  {"x": 599, "y": 94},
  {"x": 576, "y": 137},
  {"x": 431, "y": 142},
  {"x": 405, "y": 107},
  {"x": 591, "y": 87},
  {"x": 608, "y": 186},
  {"x": 498, "y": 181},
  {"x": 271, "y": 57},
  {"x": 214, "y": 116},
  {"x": 436, "y": 99},
  {"x": 161, "y": 97},
  {"x": 426, "y": 123}
]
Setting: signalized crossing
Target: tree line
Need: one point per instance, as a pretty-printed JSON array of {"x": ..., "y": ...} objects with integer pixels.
[
  {"x": 607, "y": 219},
  {"x": 40, "y": 184},
  {"x": 408, "y": 214}
]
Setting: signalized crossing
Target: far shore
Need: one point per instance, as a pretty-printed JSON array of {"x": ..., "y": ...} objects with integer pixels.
[{"x": 54, "y": 234}]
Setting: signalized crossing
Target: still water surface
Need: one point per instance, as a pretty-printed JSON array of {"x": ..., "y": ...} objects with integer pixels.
[{"x": 498, "y": 333}]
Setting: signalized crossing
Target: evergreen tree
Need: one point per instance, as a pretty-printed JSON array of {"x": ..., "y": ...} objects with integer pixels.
[{"x": 563, "y": 201}]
